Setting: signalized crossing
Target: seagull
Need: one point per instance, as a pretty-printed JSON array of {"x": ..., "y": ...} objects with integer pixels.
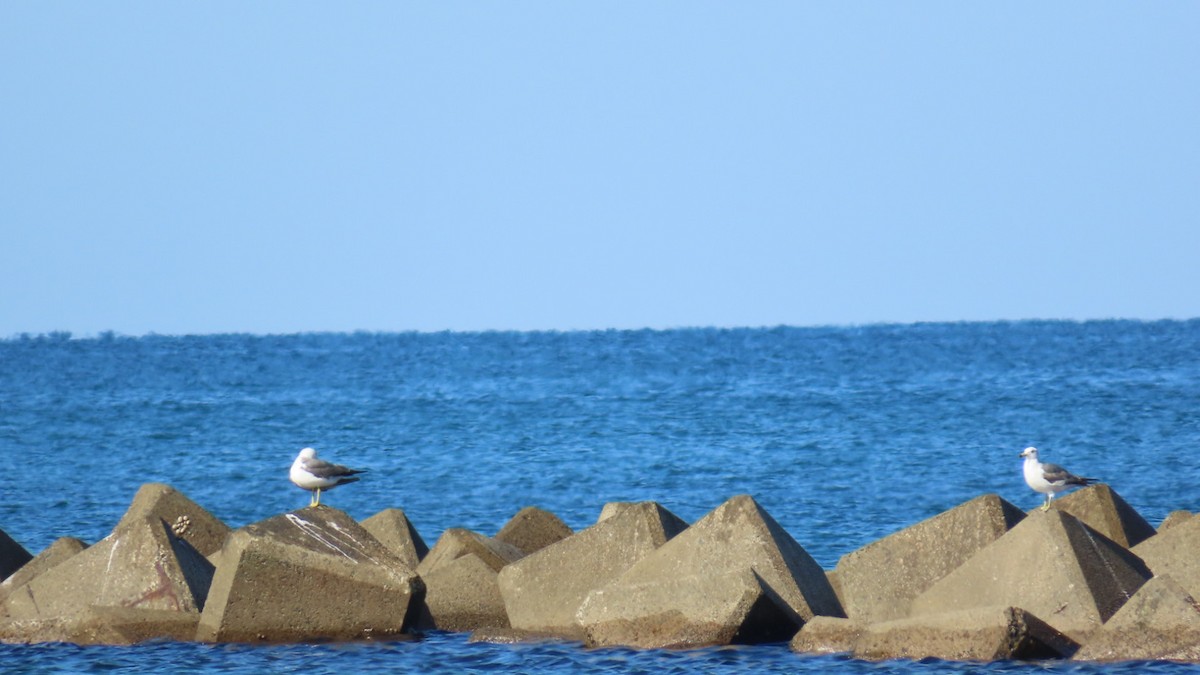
[
  {"x": 1049, "y": 479},
  {"x": 315, "y": 475}
]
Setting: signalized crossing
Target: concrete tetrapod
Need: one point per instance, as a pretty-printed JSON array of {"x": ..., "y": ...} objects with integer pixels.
[
  {"x": 57, "y": 552},
  {"x": 1174, "y": 518},
  {"x": 310, "y": 574},
  {"x": 533, "y": 529},
  {"x": 879, "y": 581},
  {"x": 461, "y": 592},
  {"x": 1174, "y": 551},
  {"x": 828, "y": 635},
  {"x": 141, "y": 567},
  {"x": 686, "y": 612},
  {"x": 1049, "y": 564},
  {"x": 1103, "y": 510},
  {"x": 735, "y": 575},
  {"x": 393, "y": 529},
  {"x": 457, "y": 542},
  {"x": 1160, "y": 622},
  {"x": 543, "y": 591},
  {"x": 977, "y": 634},
  {"x": 187, "y": 519}
]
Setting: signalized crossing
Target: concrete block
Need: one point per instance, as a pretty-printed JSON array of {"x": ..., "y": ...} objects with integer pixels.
[
  {"x": 458, "y": 542},
  {"x": 1049, "y": 564},
  {"x": 140, "y": 583},
  {"x": 827, "y": 635},
  {"x": 978, "y": 634},
  {"x": 879, "y": 581},
  {"x": 1103, "y": 510},
  {"x": 533, "y": 529},
  {"x": 187, "y": 519},
  {"x": 1174, "y": 551},
  {"x": 543, "y": 591},
  {"x": 611, "y": 509},
  {"x": 835, "y": 582},
  {"x": 462, "y": 595},
  {"x": 307, "y": 575},
  {"x": 141, "y": 565},
  {"x": 131, "y": 625},
  {"x": 57, "y": 552},
  {"x": 687, "y": 612},
  {"x": 461, "y": 591},
  {"x": 1175, "y": 518},
  {"x": 1160, "y": 622},
  {"x": 393, "y": 529},
  {"x": 737, "y": 544},
  {"x": 103, "y": 626}
]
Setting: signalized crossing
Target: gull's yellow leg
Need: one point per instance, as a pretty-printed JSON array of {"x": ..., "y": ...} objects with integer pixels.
[{"x": 318, "y": 502}]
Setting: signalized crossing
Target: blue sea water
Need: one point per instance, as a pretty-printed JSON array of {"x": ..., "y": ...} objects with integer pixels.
[{"x": 843, "y": 434}]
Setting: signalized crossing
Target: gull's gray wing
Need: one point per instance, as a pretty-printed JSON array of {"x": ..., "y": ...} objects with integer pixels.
[
  {"x": 322, "y": 469},
  {"x": 1054, "y": 473}
]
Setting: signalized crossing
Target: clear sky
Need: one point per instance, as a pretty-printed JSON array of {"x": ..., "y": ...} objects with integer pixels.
[{"x": 273, "y": 167}]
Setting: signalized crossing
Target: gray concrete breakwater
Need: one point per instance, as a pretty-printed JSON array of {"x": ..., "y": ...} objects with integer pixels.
[{"x": 1088, "y": 579}]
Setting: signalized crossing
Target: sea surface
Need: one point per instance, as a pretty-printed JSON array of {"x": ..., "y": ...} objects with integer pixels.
[{"x": 843, "y": 434}]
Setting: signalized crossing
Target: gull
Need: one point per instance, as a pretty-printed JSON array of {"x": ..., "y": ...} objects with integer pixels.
[
  {"x": 1049, "y": 479},
  {"x": 315, "y": 475}
]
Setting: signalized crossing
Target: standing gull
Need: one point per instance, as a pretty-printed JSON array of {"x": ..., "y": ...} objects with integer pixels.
[
  {"x": 1049, "y": 479},
  {"x": 315, "y": 475}
]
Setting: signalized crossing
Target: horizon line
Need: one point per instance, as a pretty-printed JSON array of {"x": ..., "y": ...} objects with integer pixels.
[{"x": 66, "y": 335}]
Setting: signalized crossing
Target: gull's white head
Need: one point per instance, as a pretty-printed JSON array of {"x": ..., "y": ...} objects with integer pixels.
[
  {"x": 1030, "y": 452},
  {"x": 308, "y": 453}
]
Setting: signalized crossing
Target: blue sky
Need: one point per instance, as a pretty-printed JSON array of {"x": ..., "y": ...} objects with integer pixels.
[{"x": 276, "y": 167}]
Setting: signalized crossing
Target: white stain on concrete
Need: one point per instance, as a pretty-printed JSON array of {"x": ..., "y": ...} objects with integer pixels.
[{"x": 337, "y": 540}]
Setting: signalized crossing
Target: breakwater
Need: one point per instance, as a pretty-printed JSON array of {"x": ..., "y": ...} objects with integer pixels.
[{"x": 1089, "y": 579}]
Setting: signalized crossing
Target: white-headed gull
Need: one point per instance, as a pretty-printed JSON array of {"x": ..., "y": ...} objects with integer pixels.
[
  {"x": 1049, "y": 479},
  {"x": 315, "y": 475}
]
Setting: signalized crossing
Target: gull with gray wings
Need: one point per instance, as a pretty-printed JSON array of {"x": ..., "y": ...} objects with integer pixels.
[
  {"x": 1049, "y": 479},
  {"x": 313, "y": 474}
]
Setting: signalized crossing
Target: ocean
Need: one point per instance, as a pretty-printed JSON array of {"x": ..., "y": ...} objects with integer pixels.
[{"x": 843, "y": 434}]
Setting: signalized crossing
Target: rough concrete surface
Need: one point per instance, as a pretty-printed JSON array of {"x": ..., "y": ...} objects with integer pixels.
[
  {"x": 543, "y": 591},
  {"x": 718, "y": 579},
  {"x": 879, "y": 581},
  {"x": 1049, "y": 564},
  {"x": 142, "y": 564},
  {"x": 393, "y": 529},
  {"x": 307, "y": 575},
  {"x": 187, "y": 519},
  {"x": 828, "y": 635},
  {"x": 457, "y": 542},
  {"x": 978, "y": 634},
  {"x": 1160, "y": 622},
  {"x": 57, "y": 552},
  {"x": 1175, "y": 518},
  {"x": 533, "y": 529},
  {"x": 1175, "y": 551},
  {"x": 461, "y": 590},
  {"x": 688, "y": 612},
  {"x": 1103, "y": 510}
]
